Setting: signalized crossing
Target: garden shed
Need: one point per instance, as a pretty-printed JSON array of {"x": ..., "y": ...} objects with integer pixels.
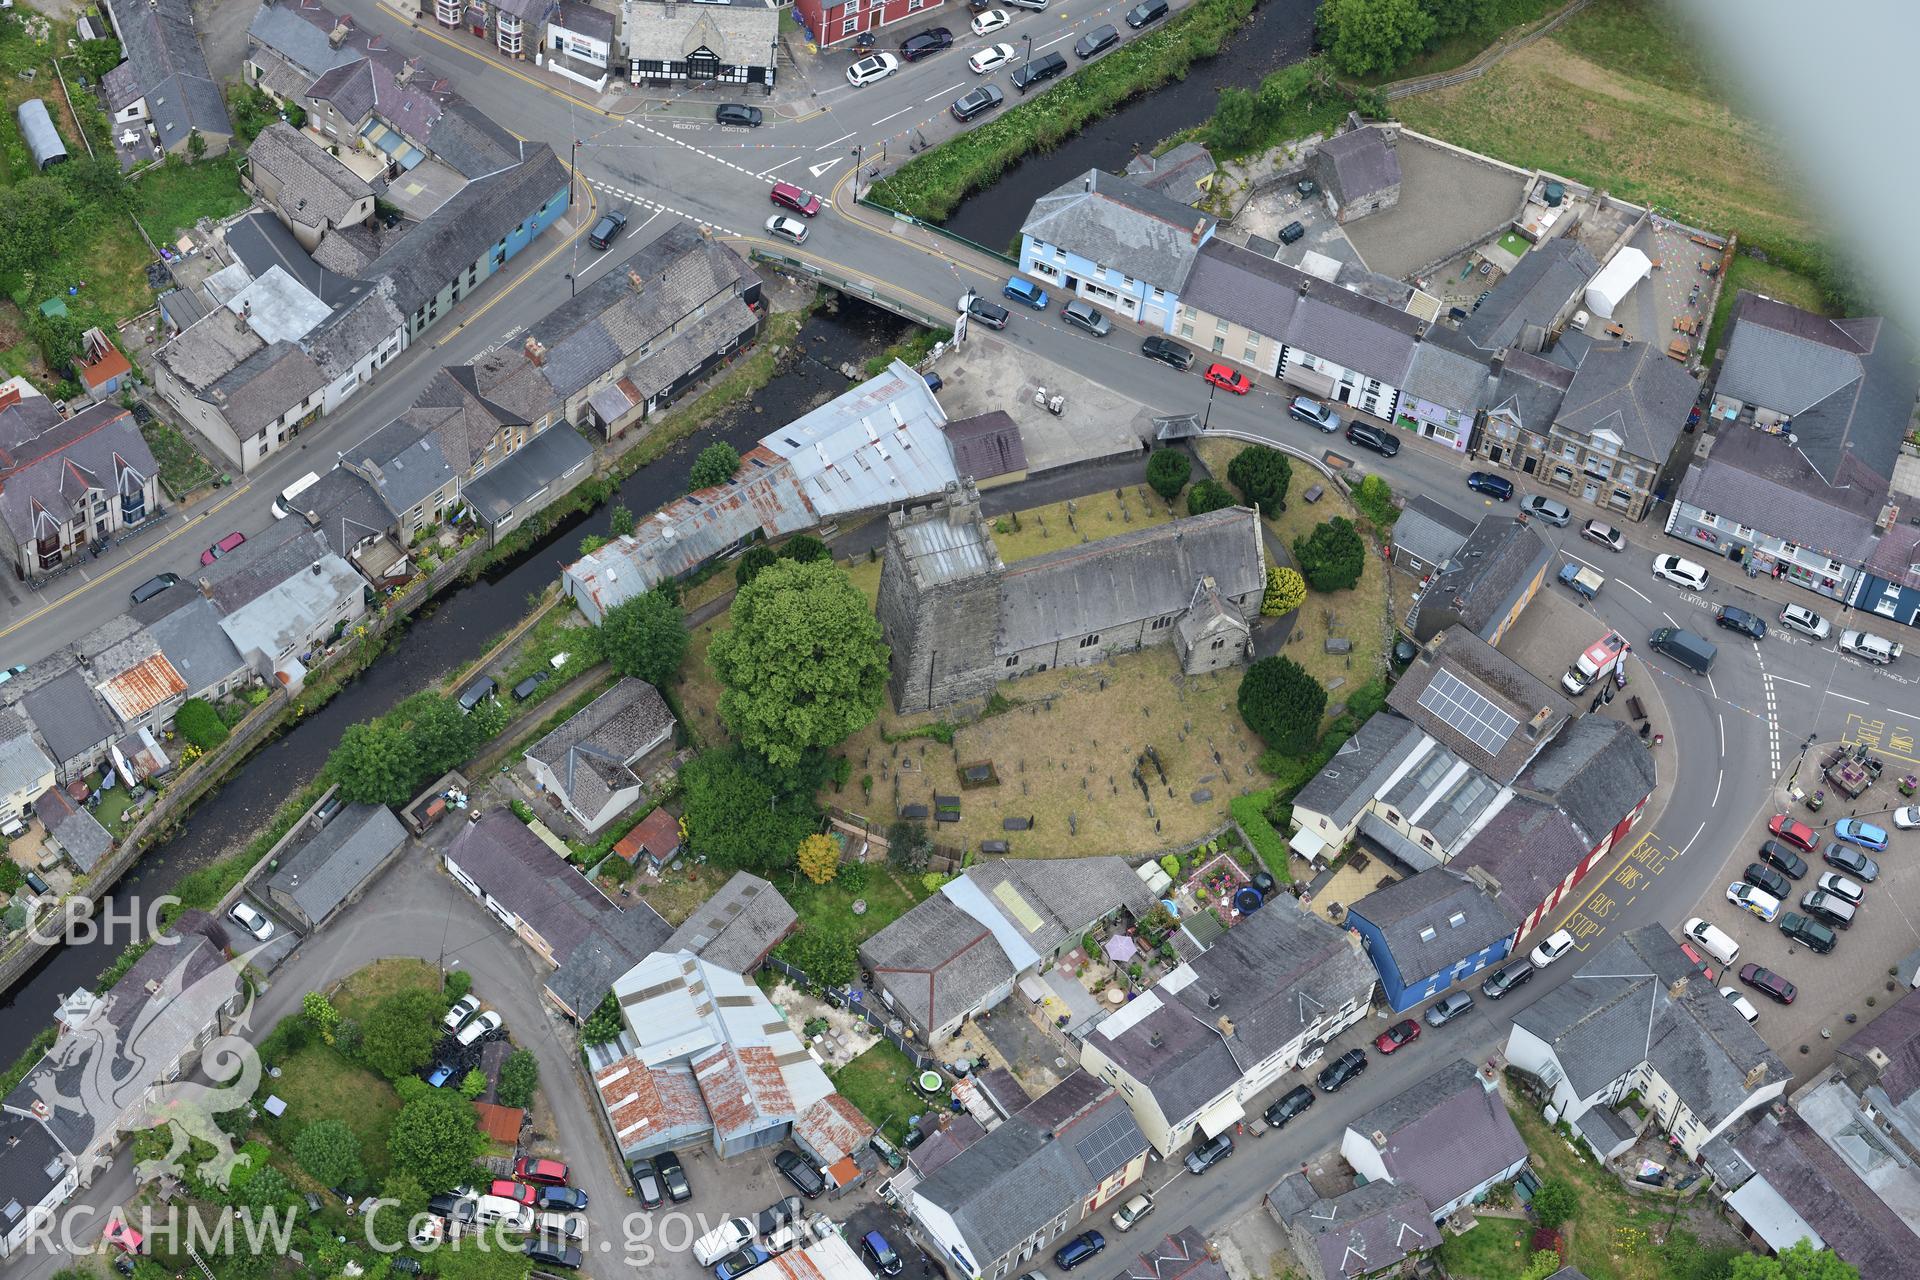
[{"x": 43, "y": 140}]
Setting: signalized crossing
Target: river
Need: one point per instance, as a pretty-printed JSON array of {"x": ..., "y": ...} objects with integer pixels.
[
  {"x": 1278, "y": 34},
  {"x": 445, "y": 635}
]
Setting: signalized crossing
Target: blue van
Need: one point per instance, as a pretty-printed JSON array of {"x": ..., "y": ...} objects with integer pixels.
[
  {"x": 1080, "y": 1249},
  {"x": 1025, "y": 291}
]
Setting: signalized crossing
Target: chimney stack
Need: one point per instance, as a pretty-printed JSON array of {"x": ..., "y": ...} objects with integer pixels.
[
  {"x": 638, "y": 281},
  {"x": 1538, "y": 725},
  {"x": 1155, "y": 1039},
  {"x": 535, "y": 351},
  {"x": 1755, "y": 1076},
  {"x": 1199, "y": 228}
]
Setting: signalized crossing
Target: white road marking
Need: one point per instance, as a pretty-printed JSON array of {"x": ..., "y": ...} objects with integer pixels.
[
  {"x": 1056, "y": 40},
  {"x": 1590, "y": 564},
  {"x": 1783, "y": 680},
  {"x": 817, "y": 169},
  {"x": 1634, "y": 589},
  {"x": 635, "y": 198},
  {"x": 1718, "y": 778},
  {"x": 1722, "y": 720},
  {"x": 767, "y": 173},
  {"x": 1723, "y": 728},
  {"x": 1690, "y": 839},
  {"x": 836, "y": 142},
  {"x": 1847, "y": 697},
  {"x": 1663, "y": 613},
  {"x": 946, "y": 92},
  {"x": 902, "y": 111},
  {"x": 1908, "y": 714}
]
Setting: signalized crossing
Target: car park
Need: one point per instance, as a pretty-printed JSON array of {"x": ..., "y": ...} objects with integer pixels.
[
  {"x": 1768, "y": 881},
  {"x": 1712, "y": 940},
  {"x": 1828, "y": 909},
  {"x": 874, "y": 67},
  {"x": 1805, "y": 621},
  {"x": 1026, "y": 292},
  {"x": 1145, "y": 12},
  {"x": 463, "y": 1008},
  {"x": 1403, "y": 1032},
  {"x": 518, "y": 1192},
  {"x": 1783, "y": 859},
  {"x": 990, "y": 21},
  {"x": 1852, "y": 861},
  {"x": 1313, "y": 412},
  {"x": 1039, "y": 71},
  {"x": 1758, "y": 901},
  {"x": 1741, "y": 1005},
  {"x": 153, "y": 586},
  {"x": 796, "y": 1169},
  {"x": 1547, "y": 510},
  {"x": 1341, "y": 1070},
  {"x": 886, "y": 1261},
  {"x": 480, "y": 1028},
  {"x": 924, "y": 44},
  {"x": 545, "y": 1173},
  {"x": 561, "y": 1198},
  {"x": 740, "y": 1261},
  {"x": 227, "y": 544},
  {"x": 1768, "y": 983},
  {"x": 1557, "y": 944},
  {"x": 1228, "y": 379},
  {"x": 991, "y": 58},
  {"x": 646, "y": 1183},
  {"x": 976, "y": 102},
  {"x": 1864, "y": 834},
  {"x": 1841, "y": 887},
  {"x": 253, "y": 921},
  {"x": 1506, "y": 978},
  {"x": 1740, "y": 620},
  {"x": 800, "y": 201},
  {"x": 1604, "y": 534},
  {"x": 1682, "y": 573},
  {"x": 1129, "y": 1214},
  {"x": 737, "y": 114},
  {"x": 1207, "y": 1154},
  {"x": 1378, "y": 439},
  {"x": 1096, "y": 42},
  {"x": 1907, "y": 817},
  {"x": 1448, "y": 1007},
  {"x": 553, "y": 1253},
  {"x": 990, "y": 314},
  {"x": 1086, "y": 317},
  {"x": 673, "y": 1176},
  {"x": 607, "y": 229},
  {"x": 1167, "y": 351},
  {"x": 1797, "y": 834},
  {"x": 1808, "y": 932},
  {"x": 1082, "y": 1248},
  {"x": 1290, "y": 1104}
]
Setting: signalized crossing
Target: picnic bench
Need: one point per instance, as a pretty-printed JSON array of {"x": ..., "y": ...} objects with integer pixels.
[
  {"x": 1686, "y": 324},
  {"x": 1616, "y": 330},
  {"x": 1636, "y": 708},
  {"x": 1680, "y": 349}
]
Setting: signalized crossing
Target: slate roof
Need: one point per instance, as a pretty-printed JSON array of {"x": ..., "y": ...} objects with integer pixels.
[
  {"x": 264, "y": 386},
  {"x": 1596, "y": 770},
  {"x": 1446, "y": 1135},
  {"x": 590, "y": 752},
  {"x": 22, "y": 763},
  {"x": 584, "y": 20},
  {"x": 1247, "y": 288},
  {"x": 1895, "y": 1034},
  {"x": 314, "y": 186},
  {"x": 1499, "y": 562},
  {"x": 1121, "y": 224},
  {"x": 1429, "y": 531},
  {"x": 1405, "y": 908},
  {"x": 1497, "y": 678},
  {"x": 191, "y": 638},
  {"x": 1360, "y": 163},
  {"x": 1448, "y": 371},
  {"x": 408, "y": 459},
  {"x": 1359, "y": 1232},
  {"x": 99, "y": 448},
  {"x": 1765, "y": 482},
  {"x": 532, "y": 470},
  {"x": 74, "y": 829},
  {"x": 1529, "y": 389},
  {"x": 170, "y": 69},
  {"x": 1619, "y": 1011},
  {"x": 1355, "y": 331},
  {"x": 260, "y": 564},
  {"x": 986, "y": 445},
  {"x": 298, "y": 33},
  {"x": 737, "y": 926},
  {"x": 69, "y": 716},
  {"x": 329, "y": 866},
  {"x": 1532, "y": 294},
  {"x": 1128, "y": 578},
  {"x": 31, "y": 1166},
  {"x": 741, "y": 35},
  {"x": 1528, "y": 849},
  {"x": 1184, "y": 1255},
  {"x": 1634, "y": 391},
  {"x": 346, "y": 508},
  {"x": 1360, "y": 768},
  {"x": 1177, "y": 174},
  {"x": 1829, "y": 1196}
]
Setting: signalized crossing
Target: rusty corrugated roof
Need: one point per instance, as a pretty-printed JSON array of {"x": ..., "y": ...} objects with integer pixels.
[{"x": 142, "y": 687}]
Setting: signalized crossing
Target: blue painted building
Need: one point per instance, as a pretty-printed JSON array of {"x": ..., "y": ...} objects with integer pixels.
[
  {"x": 1431, "y": 931},
  {"x": 1121, "y": 246}
]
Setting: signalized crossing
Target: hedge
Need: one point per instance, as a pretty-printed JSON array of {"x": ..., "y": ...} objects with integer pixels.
[{"x": 1251, "y": 813}]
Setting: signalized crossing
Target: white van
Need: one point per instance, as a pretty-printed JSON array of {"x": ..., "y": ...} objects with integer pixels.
[
  {"x": 1717, "y": 944},
  {"x": 510, "y": 1214},
  {"x": 283, "y": 505},
  {"x": 570, "y": 1225},
  {"x": 722, "y": 1240}
]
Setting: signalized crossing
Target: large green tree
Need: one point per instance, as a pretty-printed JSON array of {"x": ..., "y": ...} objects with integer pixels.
[
  {"x": 1333, "y": 556},
  {"x": 1555, "y": 1202},
  {"x": 1283, "y": 704},
  {"x": 828, "y": 954},
  {"x": 330, "y": 1151},
  {"x": 519, "y": 1077},
  {"x": 645, "y": 637},
  {"x": 1371, "y": 37},
  {"x": 397, "y": 1038},
  {"x": 1801, "y": 1261},
  {"x": 35, "y": 214},
  {"x": 434, "y": 1141},
  {"x": 803, "y": 662},
  {"x": 443, "y": 735},
  {"x": 744, "y": 813},
  {"x": 1261, "y": 475},
  {"x": 1167, "y": 472},
  {"x": 1208, "y": 495},
  {"x": 468, "y": 1261},
  {"x": 715, "y": 465},
  {"x": 375, "y": 763}
]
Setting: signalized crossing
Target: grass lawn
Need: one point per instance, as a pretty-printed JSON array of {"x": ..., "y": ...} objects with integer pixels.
[
  {"x": 368, "y": 987},
  {"x": 677, "y": 894},
  {"x": 1615, "y": 98},
  {"x": 888, "y": 897},
  {"x": 880, "y": 1083},
  {"x": 1759, "y": 277},
  {"x": 1515, "y": 243},
  {"x": 174, "y": 196},
  {"x": 112, "y": 805},
  {"x": 1060, "y": 525},
  {"x": 1496, "y": 1249},
  {"x": 1612, "y": 1238},
  {"x": 319, "y": 1084}
]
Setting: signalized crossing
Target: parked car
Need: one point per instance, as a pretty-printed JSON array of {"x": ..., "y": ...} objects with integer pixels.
[
  {"x": 1082, "y": 1248},
  {"x": 1768, "y": 982},
  {"x": 1490, "y": 484},
  {"x": 229, "y": 543},
  {"x": 1783, "y": 859},
  {"x": 1207, "y": 1154},
  {"x": 991, "y": 58},
  {"x": 607, "y": 229},
  {"x": 567, "y": 1226},
  {"x": 1841, "y": 887},
  {"x": 800, "y": 201},
  {"x": 1557, "y": 944},
  {"x": 990, "y": 21},
  {"x": 740, "y": 1261},
  {"x": 1448, "y": 1007},
  {"x": 1378, "y": 439},
  {"x": 463, "y": 1008},
  {"x": 1228, "y": 379},
  {"x": 1760, "y": 902},
  {"x": 1805, "y": 621},
  {"x": 1290, "y": 1104},
  {"x": 518, "y": 1192},
  {"x": 1129, "y": 1214},
  {"x": 254, "y": 922},
  {"x": 1341, "y": 1070},
  {"x": 1742, "y": 1005},
  {"x": 1808, "y": 932},
  {"x": 480, "y": 1028},
  {"x": 1035, "y": 5},
  {"x": 737, "y": 114},
  {"x": 1828, "y": 908},
  {"x": 1039, "y": 71},
  {"x": 886, "y": 1261},
  {"x": 976, "y": 102},
  {"x": 787, "y": 228},
  {"x": 1768, "y": 881},
  {"x": 1146, "y": 11},
  {"x": 646, "y": 1183},
  {"x": 1853, "y": 862},
  {"x": 1680, "y": 572},
  {"x": 1864, "y": 834},
  {"x": 1096, "y": 42},
  {"x": 924, "y": 44},
  {"x": 1506, "y": 978},
  {"x": 1798, "y": 834},
  {"x": 562, "y": 1198},
  {"x": 10, "y": 672},
  {"x": 1547, "y": 510},
  {"x": 1740, "y": 620},
  {"x": 1307, "y": 409},
  {"x": 673, "y": 1176},
  {"x": 1604, "y": 534},
  {"x": 1025, "y": 292},
  {"x": 1403, "y": 1032},
  {"x": 553, "y": 1253},
  {"x": 545, "y": 1173},
  {"x": 796, "y": 1169},
  {"x": 1875, "y": 649},
  {"x": 874, "y": 67},
  {"x": 1907, "y": 817},
  {"x": 153, "y": 586},
  {"x": 1086, "y": 317},
  {"x": 1167, "y": 351},
  {"x": 990, "y": 314}
]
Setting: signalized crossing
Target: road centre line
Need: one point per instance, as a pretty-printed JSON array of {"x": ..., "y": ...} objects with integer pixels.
[
  {"x": 902, "y": 111},
  {"x": 1690, "y": 839},
  {"x": 1847, "y": 697},
  {"x": 944, "y": 92},
  {"x": 1056, "y": 40},
  {"x": 1783, "y": 680},
  {"x": 836, "y": 142}
]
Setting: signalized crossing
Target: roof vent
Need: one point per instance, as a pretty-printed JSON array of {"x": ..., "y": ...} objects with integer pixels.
[
  {"x": 1213, "y": 999},
  {"x": 1380, "y": 1139},
  {"x": 1154, "y": 1040}
]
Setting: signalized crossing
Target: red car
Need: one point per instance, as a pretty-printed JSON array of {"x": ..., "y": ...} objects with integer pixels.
[
  {"x": 547, "y": 1173},
  {"x": 221, "y": 547},
  {"x": 1798, "y": 834},
  {"x": 519, "y": 1191},
  {"x": 1230, "y": 379},
  {"x": 1396, "y": 1035}
]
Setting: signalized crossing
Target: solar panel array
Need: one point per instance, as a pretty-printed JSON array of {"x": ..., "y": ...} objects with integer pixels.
[
  {"x": 1109, "y": 1146},
  {"x": 1468, "y": 712}
]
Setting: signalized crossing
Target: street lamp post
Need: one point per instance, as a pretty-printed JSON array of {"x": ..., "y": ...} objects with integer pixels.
[
  {"x": 856, "y": 173},
  {"x": 1206, "y": 417}
]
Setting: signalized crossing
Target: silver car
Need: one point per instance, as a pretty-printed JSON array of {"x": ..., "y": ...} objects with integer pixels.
[
  {"x": 1449, "y": 1007},
  {"x": 1084, "y": 315},
  {"x": 1546, "y": 509},
  {"x": 1307, "y": 409}
]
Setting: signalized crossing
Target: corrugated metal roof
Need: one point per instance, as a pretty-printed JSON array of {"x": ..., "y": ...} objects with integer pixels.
[
  {"x": 878, "y": 444},
  {"x": 142, "y": 687}
]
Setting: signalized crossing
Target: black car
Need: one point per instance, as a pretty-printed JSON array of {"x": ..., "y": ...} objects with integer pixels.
[
  {"x": 607, "y": 229},
  {"x": 154, "y": 586},
  {"x": 1775, "y": 854},
  {"x": 738, "y": 114},
  {"x": 1493, "y": 486},
  {"x": 1341, "y": 1070},
  {"x": 1505, "y": 979},
  {"x": 1043, "y": 68},
  {"x": 449, "y": 1206},
  {"x": 1767, "y": 981},
  {"x": 1378, "y": 439},
  {"x": 1080, "y": 1249},
  {"x": 926, "y": 44},
  {"x": 1767, "y": 880},
  {"x": 795, "y": 1168},
  {"x": 1209, "y": 1153},
  {"x": 553, "y": 1253},
  {"x": 1853, "y": 862},
  {"x": 1146, "y": 11},
  {"x": 977, "y": 102},
  {"x": 646, "y": 1183},
  {"x": 526, "y": 688},
  {"x": 780, "y": 1213},
  {"x": 1740, "y": 620},
  {"x": 1096, "y": 41},
  {"x": 1167, "y": 351},
  {"x": 1808, "y": 932},
  {"x": 1291, "y": 1104},
  {"x": 562, "y": 1198},
  {"x": 989, "y": 314},
  {"x": 673, "y": 1176}
]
